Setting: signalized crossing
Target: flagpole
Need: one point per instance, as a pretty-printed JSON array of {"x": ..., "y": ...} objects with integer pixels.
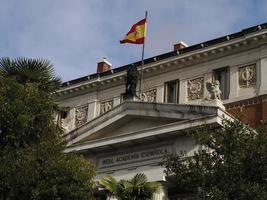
[{"x": 142, "y": 63}]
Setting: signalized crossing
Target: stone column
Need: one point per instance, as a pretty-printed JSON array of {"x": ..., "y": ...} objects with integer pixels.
[{"x": 161, "y": 194}]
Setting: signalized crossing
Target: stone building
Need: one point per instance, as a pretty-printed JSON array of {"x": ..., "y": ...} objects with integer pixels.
[{"x": 125, "y": 137}]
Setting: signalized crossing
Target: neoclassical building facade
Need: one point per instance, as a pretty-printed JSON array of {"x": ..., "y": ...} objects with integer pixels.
[{"x": 124, "y": 137}]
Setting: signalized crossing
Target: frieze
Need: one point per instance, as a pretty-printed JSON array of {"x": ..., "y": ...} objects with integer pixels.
[
  {"x": 106, "y": 106},
  {"x": 195, "y": 88},
  {"x": 247, "y": 75},
  {"x": 149, "y": 96},
  {"x": 81, "y": 115}
]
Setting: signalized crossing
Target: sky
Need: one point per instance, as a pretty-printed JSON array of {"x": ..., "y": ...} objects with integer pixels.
[{"x": 76, "y": 34}]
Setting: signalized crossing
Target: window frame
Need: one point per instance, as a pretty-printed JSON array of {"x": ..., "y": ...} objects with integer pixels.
[
  {"x": 176, "y": 82},
  {"x": 215, "y": 73}
]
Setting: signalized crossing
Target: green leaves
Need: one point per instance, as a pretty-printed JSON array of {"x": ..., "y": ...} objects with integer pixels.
[
  {"x": 25, "y": 114},
  {"x": 137, "y": 188},
  {"x": 32, "y": 163},
  {"x": 231, "y": 164},
  {"x": 27, "y": 70}
]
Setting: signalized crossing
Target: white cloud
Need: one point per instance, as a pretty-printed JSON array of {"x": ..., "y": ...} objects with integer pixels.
[{"x": 74, "y": 35}]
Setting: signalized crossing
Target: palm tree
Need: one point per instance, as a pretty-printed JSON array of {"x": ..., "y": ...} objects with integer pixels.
[
  {"x": 28, "y": 70},
  {"x": 137, "y": 188}
]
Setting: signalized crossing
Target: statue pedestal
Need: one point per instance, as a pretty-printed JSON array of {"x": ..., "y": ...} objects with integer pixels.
[
  {"x": 213, "y": 102},
  {"x": 127, "y": 97}
]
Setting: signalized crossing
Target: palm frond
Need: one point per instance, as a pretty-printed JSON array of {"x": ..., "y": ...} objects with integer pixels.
[
  {"x": 28, "y": 70},
  {"x": 110, "y": 184},
  {"x": 137, "y": 188}
]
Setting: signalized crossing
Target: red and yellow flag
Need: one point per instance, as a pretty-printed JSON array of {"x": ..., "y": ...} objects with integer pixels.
[{"x": 137, "y": 33}]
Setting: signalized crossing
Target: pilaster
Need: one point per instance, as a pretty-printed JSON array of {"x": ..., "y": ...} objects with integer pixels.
[
  {"x": 183, "y": 92},
  {"x": 160, "y": 94},
  {"x": 207, "y": 78},
  {"x": 233, "y": 82},
  {"x": 92, "y": 108},
  {"x": 263, "y": 73},
  {"x": 116, "y": 101}
]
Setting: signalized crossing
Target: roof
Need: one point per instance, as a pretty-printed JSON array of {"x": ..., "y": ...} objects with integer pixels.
[{"x": 192, "y": 48}]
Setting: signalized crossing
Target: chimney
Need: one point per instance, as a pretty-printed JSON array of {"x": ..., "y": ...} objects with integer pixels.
[
  {"x": 179, "y": 46},
  {"x": 103, "y": 66}
]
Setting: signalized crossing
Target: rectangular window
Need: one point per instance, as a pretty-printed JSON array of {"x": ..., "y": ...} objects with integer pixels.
[
  {"x": 171, "y": 91},
  {"x": 223, "y": 76}
]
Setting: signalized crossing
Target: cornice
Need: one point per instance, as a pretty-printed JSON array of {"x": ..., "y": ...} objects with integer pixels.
[{"x": 178, "y": 60}]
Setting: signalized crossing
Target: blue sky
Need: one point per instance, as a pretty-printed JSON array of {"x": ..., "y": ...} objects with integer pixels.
[{"x": 76, "y": 34}]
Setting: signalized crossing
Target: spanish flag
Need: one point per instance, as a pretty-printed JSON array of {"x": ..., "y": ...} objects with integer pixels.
[{"x": 137, "y": 33}]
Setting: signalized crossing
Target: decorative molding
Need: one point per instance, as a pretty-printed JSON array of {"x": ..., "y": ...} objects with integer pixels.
[
  {"x": 244, "y": 103},
  {"x": 81, "y": 114},
  {"x": 247, "y": 75},
  {"x": 106, "y": 106},
  {"x": 195, "y": 88},
  {"x": 149, "y": 95}
]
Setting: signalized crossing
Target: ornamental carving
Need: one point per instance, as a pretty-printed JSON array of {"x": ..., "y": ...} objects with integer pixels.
[
  {"x": 106, "y": 106},
  {"x": 81, "y": 115},
  {"x": 66, "y": 121},
  {"x": 149, "y": 96},
  {"x": 247, "y": 75},
  {"x": 195, "y": 88},
  {"x": 214, "y": 91}
]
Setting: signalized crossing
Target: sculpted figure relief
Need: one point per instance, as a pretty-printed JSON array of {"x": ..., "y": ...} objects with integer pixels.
[
  {"x": 106, "y": 106},
  {"x": 149, "y": 96},
  {"x": 214, "y": 90},
  {"x": 131, "y": 81}
]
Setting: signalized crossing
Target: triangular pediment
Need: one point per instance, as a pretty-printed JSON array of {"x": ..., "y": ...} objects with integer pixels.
[
  {"x": 129, "y": 124},
  {"x": 135, "y": 117}
]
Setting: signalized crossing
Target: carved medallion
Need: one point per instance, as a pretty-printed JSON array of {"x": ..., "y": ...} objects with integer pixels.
[
  {"x": 195, "y": 88},
  {"x": 81, "y": 115},
  {"x": 149, "y": 96},
  {"x": 106, "y": 106},
  {"x": 247, "y": 75}
]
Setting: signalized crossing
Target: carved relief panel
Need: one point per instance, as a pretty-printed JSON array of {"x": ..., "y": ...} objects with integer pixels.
[
  {"x": 106, "y": 106},
  {"x": 195, "y": 88},
  {"x": 247, "y": 75},
  {"x": 81, "y": 114},
  {"x": 67, "y": 121},
  {"x": 149, "y": 96}
]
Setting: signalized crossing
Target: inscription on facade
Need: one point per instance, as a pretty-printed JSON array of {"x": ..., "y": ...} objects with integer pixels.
[
  {"x": 134, "y": 157},
  {"x": 247, "y": 75},
  {"x": 195, "y": 88}
]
